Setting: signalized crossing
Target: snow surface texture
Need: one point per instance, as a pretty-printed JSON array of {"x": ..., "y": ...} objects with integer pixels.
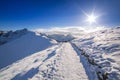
[
  {"x": 59, "y": 62},
  {"x": 76, "y": 55},
  {"x": 22, "y": 47},
  {"x": 102, "y": 50}
]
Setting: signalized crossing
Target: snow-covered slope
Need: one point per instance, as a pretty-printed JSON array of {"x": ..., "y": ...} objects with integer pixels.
[
  {"x": 21, "y": 47},
  {"x": 102, "y": 50},
  {"x": 76, "y": 56},
  {"x": 7, "y": 36},
  {"x": 59, "y": 62}
]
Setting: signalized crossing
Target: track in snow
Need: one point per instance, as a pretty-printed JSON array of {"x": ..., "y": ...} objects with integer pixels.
[{"x": 59, "y": 62}]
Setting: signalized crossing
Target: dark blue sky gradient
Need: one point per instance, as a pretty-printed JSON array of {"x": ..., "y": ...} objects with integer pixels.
[{"x": 15, "y": 14}]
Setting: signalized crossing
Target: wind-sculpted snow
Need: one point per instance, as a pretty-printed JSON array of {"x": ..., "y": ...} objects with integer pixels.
[
  {"x": 22, "y": 47},
  {"x": 102, "y": 49}
]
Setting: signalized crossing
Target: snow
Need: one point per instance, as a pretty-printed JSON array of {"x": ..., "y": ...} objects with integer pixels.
[
  {"x": 7, "y": 36},
  {"x": 102, "y": 50},
  {"x": 62, "y": 54},
  {"x": 57, "y": 62},
  {"x": 22, "y": 47},
  {"x": 60, "y": 37},
  {"x": 90, "y": 70},
  {"x": 22, "y": 67},
  {"x": 64, "y": 65}
]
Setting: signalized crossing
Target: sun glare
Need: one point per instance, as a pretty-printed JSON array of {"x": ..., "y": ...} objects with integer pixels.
[{"x": 91, "y": 19}]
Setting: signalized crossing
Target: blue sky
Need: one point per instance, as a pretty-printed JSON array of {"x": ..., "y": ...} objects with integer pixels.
[{"x": 32, "y": 14}]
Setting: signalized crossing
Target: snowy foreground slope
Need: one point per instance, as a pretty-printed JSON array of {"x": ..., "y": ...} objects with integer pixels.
[
  {"x": 61, "y": 54},
  {"x": 102, "y": 50}
]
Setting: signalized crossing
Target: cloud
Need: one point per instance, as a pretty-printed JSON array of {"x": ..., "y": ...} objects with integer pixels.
[{"x": 72, "y": 28}]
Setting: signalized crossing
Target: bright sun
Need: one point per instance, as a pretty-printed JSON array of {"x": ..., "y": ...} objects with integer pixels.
[{"x": 91, "y": 19}]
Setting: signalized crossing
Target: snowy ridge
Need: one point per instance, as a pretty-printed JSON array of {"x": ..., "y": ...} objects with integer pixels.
[
  {"x": 21, "y": 47},
  {"x": 6, "y": 36},
  {"x": 62, "y": 54}
]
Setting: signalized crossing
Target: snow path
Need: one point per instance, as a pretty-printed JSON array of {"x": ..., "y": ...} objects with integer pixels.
[
  {"x": 65, "y": 65},
  {"x": 59, "y": 62}
]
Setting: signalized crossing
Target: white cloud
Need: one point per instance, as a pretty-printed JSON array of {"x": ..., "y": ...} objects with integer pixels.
[{"x": 72, "y": 28}]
